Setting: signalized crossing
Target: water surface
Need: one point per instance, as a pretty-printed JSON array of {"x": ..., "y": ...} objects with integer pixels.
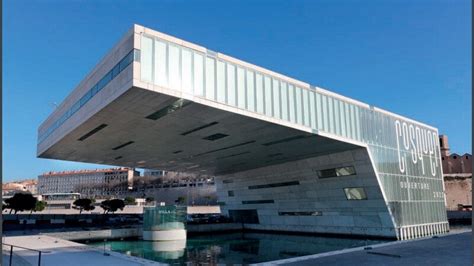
[{"x": 233, "y": 248}]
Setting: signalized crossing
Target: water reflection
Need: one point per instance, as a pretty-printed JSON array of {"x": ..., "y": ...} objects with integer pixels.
[{"x": 234, "y": 248}]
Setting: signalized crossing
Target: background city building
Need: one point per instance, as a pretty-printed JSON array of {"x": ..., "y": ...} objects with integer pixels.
[
  {"x": 457, "y": 171},
  {"x": 174, "y": 187},
  {"x": 89, "y": 183},
  {"x": 28, "y": 185}
]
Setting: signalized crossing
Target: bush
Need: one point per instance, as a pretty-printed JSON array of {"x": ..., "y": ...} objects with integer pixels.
[
  {"x": 21, "y": 202},
  {"x": 83, "y": 204},
  {"x": 112, "y": 205},
  {"x": 130, "y": 201}
]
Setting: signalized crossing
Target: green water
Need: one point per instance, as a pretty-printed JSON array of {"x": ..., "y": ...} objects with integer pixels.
[{"x": 235, "y": 248}]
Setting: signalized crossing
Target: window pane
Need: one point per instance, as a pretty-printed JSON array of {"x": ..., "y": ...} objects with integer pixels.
[
  {"x": 299, "y": 106},
  {"x": 173, "y": 66},
  {"x": 198, "y": 74},
  {"x": 312, "y": 109},
  {"x": 330, "y": 115},
  {"x": 337, "y": 120},
  {"x": 355, "y": 193},
  {"x": 231, "y": 85},
  {"x": 342, "y": 113},
  {"x": 306, "y": 107},
  {"x": 291, "y": 102},
  {"x": 221, "y": 90},
  {"x": 186, "y": 70},
  {"x": 160, "y": 64},
  {"x": 319, "y": 111},
  {"x": 241, "y": 87},
  {"x": 284, "y": 101},
  {"x": 259, "y": 91},
  {"x": 325, "y": 113},
  {"x": 210, "y": 78},
  {"x": 268, "y": 95},
  {"x": 276, "y": 98},
  {"x": 250, "y": 91},
  {"x": 343, "y": 171},
  {"x": 336, "y": 172},
  {"x": 146, "y": 59}
]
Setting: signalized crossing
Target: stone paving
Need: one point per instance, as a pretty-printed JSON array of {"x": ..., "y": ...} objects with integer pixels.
[
  {"x": 445, "y": 250},
  {"x": 62, "y": 252}
]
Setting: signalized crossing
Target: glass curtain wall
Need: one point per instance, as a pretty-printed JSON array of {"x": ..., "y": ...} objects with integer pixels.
[{"x": 405, "y": 153}]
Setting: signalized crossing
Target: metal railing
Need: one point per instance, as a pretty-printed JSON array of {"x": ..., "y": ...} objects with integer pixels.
[{"x": 11, "y": 252}]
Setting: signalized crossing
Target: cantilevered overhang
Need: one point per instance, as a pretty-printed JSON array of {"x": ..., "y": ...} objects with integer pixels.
[{"x": 148, "y": 129}]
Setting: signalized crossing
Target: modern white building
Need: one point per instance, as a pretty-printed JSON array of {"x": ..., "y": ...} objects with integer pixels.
[
  {"x": 93, "y": 183},
  {"x": 287, "y": 155}
]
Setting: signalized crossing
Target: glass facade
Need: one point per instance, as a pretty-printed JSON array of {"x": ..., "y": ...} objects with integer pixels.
[
  {"x": 405, "y": 153},
  {"x": 164, "y": 218},
  {"x": 117, "y": 69}
]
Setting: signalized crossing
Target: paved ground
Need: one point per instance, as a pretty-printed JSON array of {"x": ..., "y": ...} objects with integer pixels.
[
  {"x": 452, "y": 249},
  {"x": 63, "y": 252}
]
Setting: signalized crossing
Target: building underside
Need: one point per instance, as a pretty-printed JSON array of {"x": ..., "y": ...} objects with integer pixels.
[{"x": 286, "y": 155}]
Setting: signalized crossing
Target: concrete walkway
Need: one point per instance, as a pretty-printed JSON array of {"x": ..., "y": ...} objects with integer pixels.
[
  {"x": 450, "y": 249},
  {"x": 63, "y": 252}
]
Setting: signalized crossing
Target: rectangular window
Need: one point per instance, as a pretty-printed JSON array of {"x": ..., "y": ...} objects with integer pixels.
[
  {"x": 267, "y": 84},
  {"x": 306, "y": 213},
  {"x": 231, "y": 93},
  {"x": 336, "y": 118},
  {"x": 355, "y": 193},
  {"x": 259, "y": 91},
  {"x": 257, "y": 201},
  {"x": 283, "y": 184},
  {"x": 241, "y": 88},
  {"x": 227, "y": 181},
  {"x": 312, "y": 108},
  {"x": 291, "y": 103},
  {"x": 299, "y": 106},
  {"x": 198, "y": 74},
  {"x": 210, "y": 78},
  {"x": 230, "y": 193},
  {"x": 173, "y": 67},
  {"x": 336, "y": 172},
  {"x": 325, "y": 113},
  {"x": 161, "y": 78},
  {"x": 306, "y": 107},
  {"x": 250, "y": 91},
  {"x": 186, "y": 70},
  {"x": 146, "y": 59},
  {"x": 276, "y": 98},
  {"x": 330, "y": 115},
  {"x": 284, "y": 101},
  {"x": 221, "y": 86}
]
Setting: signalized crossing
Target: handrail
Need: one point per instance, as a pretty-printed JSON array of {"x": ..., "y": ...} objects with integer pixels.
[
  {"x": 26, "y": 248},
  {"x": 11, "y": 252}
]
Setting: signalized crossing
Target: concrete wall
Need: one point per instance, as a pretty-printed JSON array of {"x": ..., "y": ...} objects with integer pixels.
[
  {"x": 110, "y": 92},
  {"x": 339, "y": 215}
]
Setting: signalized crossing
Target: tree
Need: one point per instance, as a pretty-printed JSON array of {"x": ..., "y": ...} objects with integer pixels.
[
  {"x": 40, "y": 205},
  {"x": 21, "y": 202},
  {"x": 181, "y": 200},
  {"x": 130, "y": 201},
  {"x": 112, "y": 205},
  {"x": 83, "y": 204}
]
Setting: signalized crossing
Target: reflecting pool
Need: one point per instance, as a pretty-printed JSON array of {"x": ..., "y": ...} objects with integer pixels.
[{"x": 234, "y": 248}]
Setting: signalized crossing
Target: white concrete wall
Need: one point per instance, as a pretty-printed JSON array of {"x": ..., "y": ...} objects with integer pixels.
[
  {"x": 114, "y": 88},
  {"x": 339, "y": 215}
]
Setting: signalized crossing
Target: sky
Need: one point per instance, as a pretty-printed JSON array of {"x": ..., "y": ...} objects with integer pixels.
[{"x": 409, "y": 57}]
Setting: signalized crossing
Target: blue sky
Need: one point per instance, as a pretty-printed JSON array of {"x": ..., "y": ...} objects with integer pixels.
[{"x": 408, "y": 57}]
